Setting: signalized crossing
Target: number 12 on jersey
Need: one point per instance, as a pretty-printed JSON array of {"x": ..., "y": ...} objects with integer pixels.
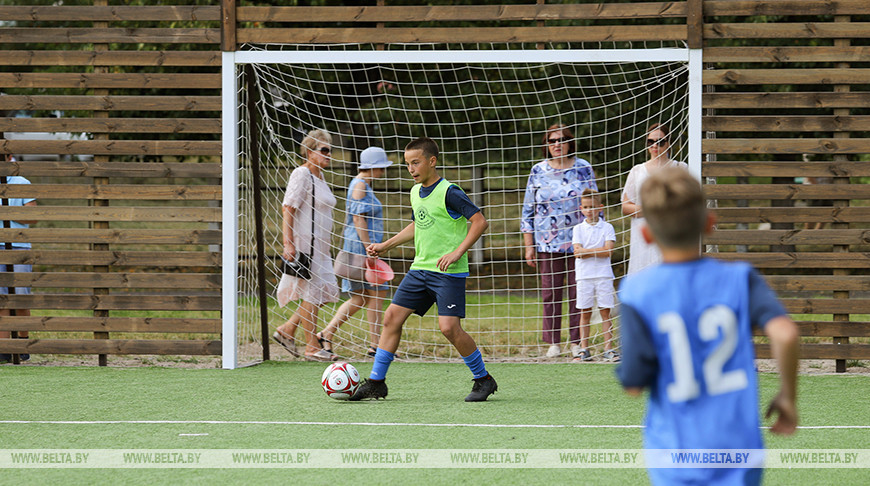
[{"x": 685, "y": 386}]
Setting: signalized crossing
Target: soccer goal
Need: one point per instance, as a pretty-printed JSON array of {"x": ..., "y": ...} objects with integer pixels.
[{"x": 488, "y": 109}]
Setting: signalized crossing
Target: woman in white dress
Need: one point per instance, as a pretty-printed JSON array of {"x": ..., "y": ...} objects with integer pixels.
[
  {"x": 643, "y": 254},
  {"x": 307, "y": 181}
]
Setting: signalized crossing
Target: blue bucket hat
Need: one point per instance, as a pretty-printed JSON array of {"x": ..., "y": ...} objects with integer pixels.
[{"x": 374, "y": 158}]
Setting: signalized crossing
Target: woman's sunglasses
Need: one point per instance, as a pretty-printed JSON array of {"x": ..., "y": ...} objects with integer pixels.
[
  {"x": 559, "y": 140},
  {"x": 324, "y": 150},
  {"x": 662, "y": 141}
]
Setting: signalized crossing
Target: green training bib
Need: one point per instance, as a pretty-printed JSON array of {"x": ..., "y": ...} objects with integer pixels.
[{"x": 436, "y": 233}]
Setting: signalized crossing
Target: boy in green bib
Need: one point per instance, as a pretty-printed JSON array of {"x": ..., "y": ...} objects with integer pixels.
[{"x": 442, "y": 236}]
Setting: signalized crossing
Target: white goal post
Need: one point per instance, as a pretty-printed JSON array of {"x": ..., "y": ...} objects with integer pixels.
[{"x": 233, "y": 61}]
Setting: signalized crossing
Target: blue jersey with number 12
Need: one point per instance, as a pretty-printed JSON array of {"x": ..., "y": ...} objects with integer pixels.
[{"x": 686, "y": 334}]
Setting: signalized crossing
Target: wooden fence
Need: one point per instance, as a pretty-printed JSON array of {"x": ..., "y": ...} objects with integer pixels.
[{"x": 127, "y": 218}]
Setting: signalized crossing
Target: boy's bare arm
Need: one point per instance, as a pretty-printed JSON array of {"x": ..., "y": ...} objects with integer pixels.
[
  {"x": 600, "y": 252},
  {"x": 478, "y": 226},
  {"x": 784, "y": 341},
  {"x": 404, "y": 236},
  {"x": 606, "y": 250}
]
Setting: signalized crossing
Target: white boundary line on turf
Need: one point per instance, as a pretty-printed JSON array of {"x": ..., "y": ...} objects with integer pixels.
[
  {"x": 269, "y": 422},
  {"x": 385, "y": 424}
]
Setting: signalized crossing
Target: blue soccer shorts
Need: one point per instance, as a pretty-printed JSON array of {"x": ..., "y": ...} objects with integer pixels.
[{"x": 421, "y": 288}]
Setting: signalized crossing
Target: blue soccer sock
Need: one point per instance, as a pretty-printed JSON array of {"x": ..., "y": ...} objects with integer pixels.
[
  {"x": 474, "y": 361},
  {"x": 383, "y": 358}
]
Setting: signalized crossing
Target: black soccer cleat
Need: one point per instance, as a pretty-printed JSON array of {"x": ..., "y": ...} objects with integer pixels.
[
  {"x": 370, "y": 389},
  {"x": 483, "y": 387}
]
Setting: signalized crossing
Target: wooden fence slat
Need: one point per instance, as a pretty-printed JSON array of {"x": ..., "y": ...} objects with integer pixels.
[
  {"x": 114, "y": 191},
  {"x": 112, "y": 125},
  {"x": 459, "y": 13},
  {"x": 75, "y": 35},
  {"x": 109, "y": 324},
  {"x": 799, "y": 283},
  {"x": 110, "y": 80},
  {"x": 109, "y": 13},
  {"x": 785, "y": 169},
  {"x": 229, "y": 23},
  {"x": 833, "y": 328},
  {"x": 790, "y": 237},
  {"x": 784, "y": 7},
  {"x": 826, "y": 306},
  {"x": 113, "y": 280},
  {"x": 110, "y": 103},
  {"x": 821, "y": 351},
  {"x": 163, "y": 259},
  {"x": 804, "y": 30},
  {"x": 786, "y": 53},
  {"x": 468, "y": 35},
  {"x": 105, "y": 213},
  {"x": 801, "y": 260},
  {"x": 786, "y": 123},
  {"x": 786, "y": 191},
  {"x": 111, "y": 169},
  {"x": 794, "y": 215},
  {"x": 162, "y": 236},
  {"x": 779, "y": 100},
  {"x": 827, "y": 329},
  {"x": 111, "y": 147},
  {"x": 112, "y": 302},
  {"x": 733, "y": 77},
  {"x": 109, "y": 346},
  {"x": 786, "y": 145},
  {"x": 110, "y": 58}
]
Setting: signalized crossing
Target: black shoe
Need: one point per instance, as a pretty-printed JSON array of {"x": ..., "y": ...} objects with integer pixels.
[
  {"x": 5, "y": 357},
  {"x": 483, "y": 387},
  {"x": 370, "y": 389},
  {"x": 23, "y": 357}
]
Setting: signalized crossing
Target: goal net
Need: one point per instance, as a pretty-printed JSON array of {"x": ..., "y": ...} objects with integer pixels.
[{"x": 488, "y": 110}]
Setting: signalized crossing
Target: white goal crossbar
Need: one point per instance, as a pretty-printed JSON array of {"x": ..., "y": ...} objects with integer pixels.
[{"x": 230, "y": 132}]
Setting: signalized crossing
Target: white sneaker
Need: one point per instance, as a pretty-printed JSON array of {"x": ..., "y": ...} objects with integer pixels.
[
  {"x": 554, "y": 351},
  {"x": 576, "y": 350}
]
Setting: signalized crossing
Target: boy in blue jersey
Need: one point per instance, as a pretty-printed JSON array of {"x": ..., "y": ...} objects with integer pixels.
[
  {"x": 441, "y": 236},
  {"x": 687, "y": 336}
]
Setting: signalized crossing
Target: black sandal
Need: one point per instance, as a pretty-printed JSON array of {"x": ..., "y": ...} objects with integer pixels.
[
  {"x": 323, "y": 341},
  {"x": 372, "y": 351}
]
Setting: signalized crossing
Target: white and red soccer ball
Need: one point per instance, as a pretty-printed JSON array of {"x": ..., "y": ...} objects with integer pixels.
[{"x": 340, "y": 380}]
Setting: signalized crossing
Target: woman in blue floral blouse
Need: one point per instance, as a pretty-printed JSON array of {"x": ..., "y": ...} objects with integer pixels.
[{"x": 551, "y": 209}]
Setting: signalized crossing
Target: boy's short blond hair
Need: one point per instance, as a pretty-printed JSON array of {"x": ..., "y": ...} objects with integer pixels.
[
  {"x": 675, "y": 208},
  {"x": 591, "y": 194},
  {"x": 312, "y": 138}
]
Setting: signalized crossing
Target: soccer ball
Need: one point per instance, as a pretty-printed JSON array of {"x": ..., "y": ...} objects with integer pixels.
[{"x": 340, "y": 380}]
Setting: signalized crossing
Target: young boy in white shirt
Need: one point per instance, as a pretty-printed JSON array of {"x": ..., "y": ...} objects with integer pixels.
[{"x": 593, "y": 241}]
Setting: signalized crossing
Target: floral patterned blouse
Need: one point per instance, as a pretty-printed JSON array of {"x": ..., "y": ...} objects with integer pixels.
[{"x": 551, "y": 207}]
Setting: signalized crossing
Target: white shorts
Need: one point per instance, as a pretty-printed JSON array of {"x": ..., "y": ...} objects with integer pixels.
[{"x": 591, "y": 289}]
